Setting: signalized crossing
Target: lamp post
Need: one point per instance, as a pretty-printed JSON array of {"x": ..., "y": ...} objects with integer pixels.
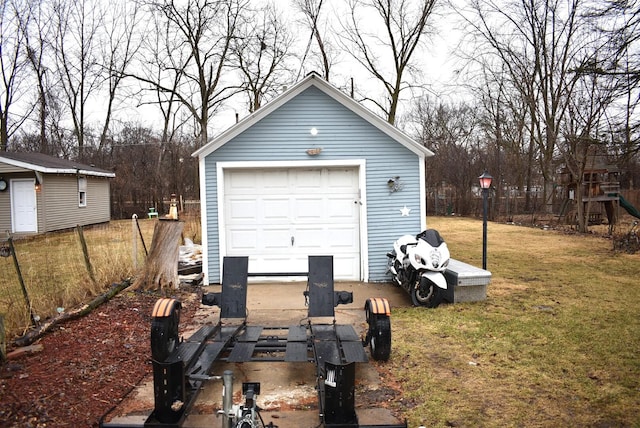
[{"x": 485, "y": 184}]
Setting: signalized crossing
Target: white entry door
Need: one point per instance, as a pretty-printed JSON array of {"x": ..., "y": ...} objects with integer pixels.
[
  {"x": 278, "y": 217},
  {"x": 23, "y": 205}
]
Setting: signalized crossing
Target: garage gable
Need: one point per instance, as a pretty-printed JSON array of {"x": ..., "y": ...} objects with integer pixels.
[{"x": 315, "y": 81}]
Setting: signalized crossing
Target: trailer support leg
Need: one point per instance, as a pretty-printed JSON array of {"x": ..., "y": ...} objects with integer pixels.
[
  {"x": 339, "y": 395},
  {"x": 227, "y": 398}
]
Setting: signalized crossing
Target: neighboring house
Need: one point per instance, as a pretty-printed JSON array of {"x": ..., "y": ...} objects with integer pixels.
[
  {"x": 313, "y": 172},
  {"x": 41, "y": 193}
]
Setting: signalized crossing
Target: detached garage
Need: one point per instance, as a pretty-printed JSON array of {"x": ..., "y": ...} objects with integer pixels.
[{"x": 311, "y": 173}]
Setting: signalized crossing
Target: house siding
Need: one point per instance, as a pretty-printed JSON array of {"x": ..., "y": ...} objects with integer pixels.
[
  {"x": 284, "y": 135},
  {"x": 5, "y": 209},
  {"x": 58, "y": 206}
]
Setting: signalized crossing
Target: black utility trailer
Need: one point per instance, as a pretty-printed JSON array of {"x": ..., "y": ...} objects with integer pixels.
[{"x": 180, "y": 367}]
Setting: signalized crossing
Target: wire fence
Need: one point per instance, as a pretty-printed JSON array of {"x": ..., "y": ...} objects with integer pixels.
[{"x": 44, "y": 275}]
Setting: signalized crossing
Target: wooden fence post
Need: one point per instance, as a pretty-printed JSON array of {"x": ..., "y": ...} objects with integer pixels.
[
  {"x": 144, "y": 246},
  {"x": 134, "y": 241},
  {"x": 12, "y": 248},
  {"x": 3, "y": 340},
  {"x": 85, "y": 252}
]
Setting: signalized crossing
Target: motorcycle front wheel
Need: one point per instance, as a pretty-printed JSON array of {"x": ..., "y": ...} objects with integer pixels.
[{"x": 428, "y": 295}]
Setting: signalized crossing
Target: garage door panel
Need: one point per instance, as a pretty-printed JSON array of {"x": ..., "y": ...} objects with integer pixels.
[
  {"x": 306, "y": 180},
  {"x": 307, "y": 209},
  {"x": 274, "y": 182},
  {"x": 275, "y": 209},
  {"x": 242, "y": 210},
  {"x": 309, "y": 238},
  {"x": 242, "y": 240},
  {"x": 341, "y": 178},
  {"x": 342, "y": 208},
  {"x": 342, "y": 237},
  {"x": 274, "y": 238},
  {"x": 240, "y": 182},
  {"x": 344, "y": 267},
  {"x": 278, "y": 264}
]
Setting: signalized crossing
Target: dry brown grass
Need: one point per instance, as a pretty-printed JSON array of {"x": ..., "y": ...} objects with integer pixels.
[
  {"x": 55, "y": 274},
  {"x": 556, "y": 343}
]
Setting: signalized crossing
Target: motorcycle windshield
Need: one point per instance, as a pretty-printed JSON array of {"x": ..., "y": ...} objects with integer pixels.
[{"x": 431, "y": 236}]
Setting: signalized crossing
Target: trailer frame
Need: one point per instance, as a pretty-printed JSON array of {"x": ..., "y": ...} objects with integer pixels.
[{"x": 180, "y": 367}]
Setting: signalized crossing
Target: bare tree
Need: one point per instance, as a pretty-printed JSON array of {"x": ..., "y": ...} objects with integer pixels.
[
  {"x": 13, "y": 62},
  {"x": 620, "y": 22},
  {"x": 35, "y": 26},
  {"x": 260, "y": 53},
  {"x": 160, "y": 62},
  {"x": 311, "y": 10},
  {"x": 451, "y": 131},
  {"x": 77, "y": 24},
  {"x": 386, "y": 49},
  {"x": 119, "y": 50},
  {"x": 504, "y": 121},
  {"x": 200, "y": 33},
  {"x": 538, "y": 44}
]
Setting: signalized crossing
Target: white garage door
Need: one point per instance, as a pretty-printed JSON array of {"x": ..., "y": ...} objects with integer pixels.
[{"x": 278, "y": 217}]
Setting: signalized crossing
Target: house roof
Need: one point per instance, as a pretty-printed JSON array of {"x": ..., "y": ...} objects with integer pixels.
[
  {"x": 51, "y": 165},
  {"x": 315, "y": 80}
]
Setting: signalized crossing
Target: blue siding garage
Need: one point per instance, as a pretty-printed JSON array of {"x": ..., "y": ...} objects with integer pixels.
[{"x": 327, "y": 165}]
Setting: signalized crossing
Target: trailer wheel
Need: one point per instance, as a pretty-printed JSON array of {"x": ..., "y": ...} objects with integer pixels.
[
  {"x": 380, "y": 330},
  {"x": 164, "y": 328}
]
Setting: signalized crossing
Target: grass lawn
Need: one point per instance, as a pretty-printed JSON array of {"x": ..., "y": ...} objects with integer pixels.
[{"x": 556, "y": 343}]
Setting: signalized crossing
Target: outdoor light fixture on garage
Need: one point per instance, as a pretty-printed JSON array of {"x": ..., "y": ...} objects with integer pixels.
[
  {"x": 394, "y": 184},
  {"x": 314, "y": 151}
]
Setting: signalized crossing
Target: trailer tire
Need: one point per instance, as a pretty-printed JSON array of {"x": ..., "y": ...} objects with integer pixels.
[
  {"x": 164, "y": 330},
  {"x": 380, "y": 342}
]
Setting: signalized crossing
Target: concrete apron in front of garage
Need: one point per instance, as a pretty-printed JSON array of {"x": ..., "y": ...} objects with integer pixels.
[{"x": 288, "y": 393}]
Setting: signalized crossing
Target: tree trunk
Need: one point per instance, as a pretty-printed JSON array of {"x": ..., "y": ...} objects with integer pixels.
[
  {"x": 37, "y": 333},
  {"x": 161, "y": 268}
]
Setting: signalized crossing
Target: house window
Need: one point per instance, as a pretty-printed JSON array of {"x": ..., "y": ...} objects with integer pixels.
[{"x": 82, "y": 191}]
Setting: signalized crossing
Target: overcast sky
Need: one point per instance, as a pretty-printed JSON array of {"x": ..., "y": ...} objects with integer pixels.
[{"x": 435, "y": 60}]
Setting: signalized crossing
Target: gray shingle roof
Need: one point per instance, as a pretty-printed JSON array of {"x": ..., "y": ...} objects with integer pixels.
[{"x": 50, "y": 164}]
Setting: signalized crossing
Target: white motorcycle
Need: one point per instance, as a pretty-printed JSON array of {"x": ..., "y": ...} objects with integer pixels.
[{"x": 417, "y": 264}]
